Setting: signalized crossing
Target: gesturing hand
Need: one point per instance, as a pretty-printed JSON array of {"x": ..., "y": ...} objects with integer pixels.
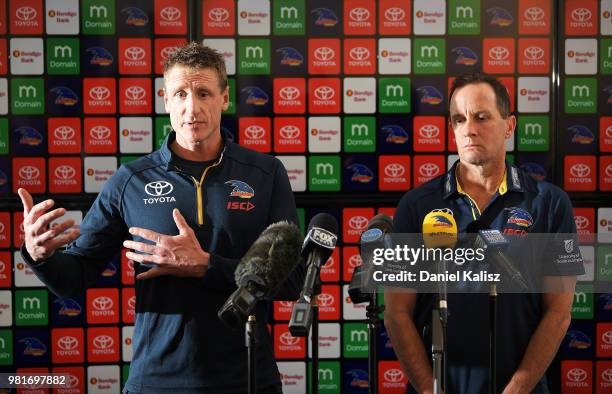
[
  {"x": 179, "y": 255},
  {"x": 40, "y": 240}
]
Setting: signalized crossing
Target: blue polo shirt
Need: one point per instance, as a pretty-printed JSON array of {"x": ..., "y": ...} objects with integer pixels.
[{"x": 521, "y": 205}]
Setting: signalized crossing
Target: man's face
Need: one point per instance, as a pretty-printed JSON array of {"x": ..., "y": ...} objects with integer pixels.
[
  {"x": 480, "y": 130},
  {"x": 195, "y": 101}
]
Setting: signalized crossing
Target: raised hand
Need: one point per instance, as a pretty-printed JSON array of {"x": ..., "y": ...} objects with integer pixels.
[
  {"x": 179, "y": 255},
  {"x": 41, "y": 241}
]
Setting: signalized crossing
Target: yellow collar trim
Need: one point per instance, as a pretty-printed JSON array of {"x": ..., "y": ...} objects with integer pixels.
[{"x": 503, "y": 187}]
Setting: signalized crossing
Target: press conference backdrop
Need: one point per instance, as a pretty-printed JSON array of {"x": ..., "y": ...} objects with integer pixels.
[{"x": 350, "y": 95}]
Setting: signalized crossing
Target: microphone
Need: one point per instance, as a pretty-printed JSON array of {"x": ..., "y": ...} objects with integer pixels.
[
  {"x": 496, "y": 243},
  {"x": 262, "y": 270},
  {"x": 379, "y": 226},
  {"x": 318, "y": 245},
  {"x": 440, "y": 231}
]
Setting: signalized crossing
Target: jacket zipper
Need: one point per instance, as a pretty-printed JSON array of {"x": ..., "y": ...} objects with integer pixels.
[{"x": 198, "y": 186}]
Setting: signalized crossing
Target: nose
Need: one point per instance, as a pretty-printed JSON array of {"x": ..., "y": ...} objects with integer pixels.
[
  {"x": 470, "y": 128},
  {"x": 190, "y": 107}
]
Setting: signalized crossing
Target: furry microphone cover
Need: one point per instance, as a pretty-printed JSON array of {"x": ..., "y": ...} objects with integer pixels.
[{"x": 271, "y": 257}]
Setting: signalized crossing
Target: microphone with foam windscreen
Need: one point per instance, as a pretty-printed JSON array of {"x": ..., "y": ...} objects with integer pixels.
[
  {"x": 261, "y": 271},
  {"x": 495, "y": 244},
  {"x": 375, "y": 236},
  {"x": 319, "y": 244}
]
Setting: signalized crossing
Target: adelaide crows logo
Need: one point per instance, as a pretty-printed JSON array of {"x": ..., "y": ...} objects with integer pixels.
[
  {"x": 465, "y": 56},
  {"x": 135, "y": 16},
  {"x": 361, "y": 173},
  {"x": 64, "y": 96},
  {"x": 291, "y": 57},
  {"x": 396, "y": 134},
  {"x": 29, "y": 136},
  {"x": 241, "y": 189},
  {"x": 255, "y": 96},
  {"x": 325, "y": 17},
  {"x": 441, "y": 221},
  {"x": 99, "y": 56},
  {"x": 519, "y": 221}
]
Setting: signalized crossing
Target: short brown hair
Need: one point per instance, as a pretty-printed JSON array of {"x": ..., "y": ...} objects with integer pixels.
[
  {"x": 501, "y": 93},
  {"x": 197, "y": 56}
]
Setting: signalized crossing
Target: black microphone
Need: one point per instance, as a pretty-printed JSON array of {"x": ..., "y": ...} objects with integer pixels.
[
  {"x": 495, "y": 243},
  {"x": 262, "y": 270},
  {"x": 319, "y": 244},
  {"x": 373, "y": 237}
]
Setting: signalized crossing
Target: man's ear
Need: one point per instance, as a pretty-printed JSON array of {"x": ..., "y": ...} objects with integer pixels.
[
  {"x": 166, "y": 98},
  {"x": 510, "y": 126},
  {"x": 225, "y": 96}
]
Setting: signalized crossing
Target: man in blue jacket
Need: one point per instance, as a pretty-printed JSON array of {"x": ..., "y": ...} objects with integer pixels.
[
  {"x": 481, "y": 186},
  {"x": 191, "y": 209}
]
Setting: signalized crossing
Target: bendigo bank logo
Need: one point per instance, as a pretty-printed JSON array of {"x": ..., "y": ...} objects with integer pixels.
[{"x": 158, "y": 192}]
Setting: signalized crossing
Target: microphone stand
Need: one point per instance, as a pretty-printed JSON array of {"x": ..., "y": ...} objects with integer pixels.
[
  {"x": 493, "y": 339},
  {"x": 251, "y": 344},
  {"x": 314, "y": 340},
  {"x": 439, "y": 318},
  {"x": 372, "y": 312}
]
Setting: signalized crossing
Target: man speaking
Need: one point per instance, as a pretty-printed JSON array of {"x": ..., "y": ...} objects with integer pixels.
[
  {"x": 482, "y": 187},
  {"x": 216, "y": 197}
]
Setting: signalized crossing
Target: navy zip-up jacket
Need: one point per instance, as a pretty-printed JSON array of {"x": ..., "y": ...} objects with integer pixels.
[{"x": 179, "y": 344}]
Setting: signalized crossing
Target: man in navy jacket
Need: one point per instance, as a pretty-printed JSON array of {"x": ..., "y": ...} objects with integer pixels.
[{"x": 190, "y": 210}]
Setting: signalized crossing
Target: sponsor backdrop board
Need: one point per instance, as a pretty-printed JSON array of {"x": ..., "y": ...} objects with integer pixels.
[{"x": 350, "y": 95}]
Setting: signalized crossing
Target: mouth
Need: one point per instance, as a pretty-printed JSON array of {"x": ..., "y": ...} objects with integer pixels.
[{"x": 192, "y": 124}]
